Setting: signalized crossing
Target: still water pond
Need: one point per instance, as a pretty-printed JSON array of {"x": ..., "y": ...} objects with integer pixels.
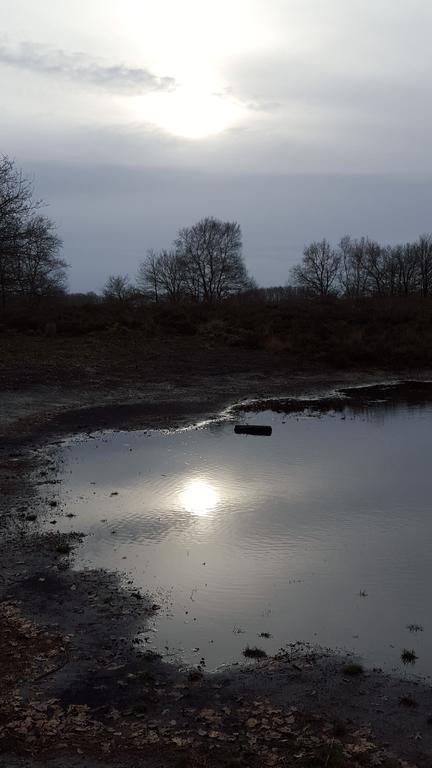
[{"x": 321, "y": 532}]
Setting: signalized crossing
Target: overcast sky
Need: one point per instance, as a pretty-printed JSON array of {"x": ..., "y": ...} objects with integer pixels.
[{"x": 298, "y": 118}]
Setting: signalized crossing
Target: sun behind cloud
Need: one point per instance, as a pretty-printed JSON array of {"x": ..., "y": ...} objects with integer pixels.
[{"x": 190, "y": 112}]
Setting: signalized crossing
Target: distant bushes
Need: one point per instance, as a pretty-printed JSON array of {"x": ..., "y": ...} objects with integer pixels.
[{"x": 331, "y": 331}]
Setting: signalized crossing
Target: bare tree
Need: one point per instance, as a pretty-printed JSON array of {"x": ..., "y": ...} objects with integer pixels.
[
  {"x": 162, "y": 274},
  {"x": 211, "y": 253},
  {"x": 16, "y": 204},
  {"x": 423, "y": 251},
  {"x": 10, "y": 236},
  {"x": 30, "y": 263},
  {"x": 147, "y": 279},
  {"x": 406, "y": 264},
  {"x": 367, "y": 268},
  {"x": 38, "y": 269},
  {"x": 319, "y": 270},
  {"x": 377, "y": 267},
  {"x": 16, "y": 192},
  {"x": 354, "y": 266},
  {"x": 172, "y": 274},
  {"x": 117, "y": 288}
]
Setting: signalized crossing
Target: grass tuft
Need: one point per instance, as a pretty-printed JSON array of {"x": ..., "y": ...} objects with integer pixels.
[
  {"x": 254, "y": 653},
  {"x": 353, "y": 669},
  {"x": 408, "y": 657},
  {"x": 415, "y": 627},
  {"x": 64, "y": 548}
]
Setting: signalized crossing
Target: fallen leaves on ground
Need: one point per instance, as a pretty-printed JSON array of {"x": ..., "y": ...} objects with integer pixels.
[
  {"x": 253, "y": 731},
  {"x": 25, "y": 650}
]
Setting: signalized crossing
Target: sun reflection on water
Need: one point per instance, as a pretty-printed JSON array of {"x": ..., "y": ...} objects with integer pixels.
[{"x": 199, "y": 497}]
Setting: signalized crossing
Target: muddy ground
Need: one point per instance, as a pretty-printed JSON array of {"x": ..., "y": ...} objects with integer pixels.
[{"x": 76, "y": 690}]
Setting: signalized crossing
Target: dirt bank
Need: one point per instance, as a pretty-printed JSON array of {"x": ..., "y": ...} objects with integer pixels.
[
  {"x": 128, "y": 380},
  {"x": 42, "y": 413},
  {"x": 76, "y": 687}
]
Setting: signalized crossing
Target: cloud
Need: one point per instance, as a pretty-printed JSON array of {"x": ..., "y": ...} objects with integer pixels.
[
  {"x": 255, "y": 104},
  {"x": 77, "y": 66}
]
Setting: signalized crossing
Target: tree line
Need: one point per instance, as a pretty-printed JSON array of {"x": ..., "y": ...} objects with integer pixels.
[
  {"x": 205, "y": 263},
  {"x": 30, "y": 262},
  {"x": 363, "y": 267}
]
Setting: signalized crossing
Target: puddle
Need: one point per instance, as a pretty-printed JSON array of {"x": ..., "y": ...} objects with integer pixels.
[{"x": 320, "y": 533}]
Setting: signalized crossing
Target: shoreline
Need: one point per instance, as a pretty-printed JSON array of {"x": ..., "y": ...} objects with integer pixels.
[{"x": 38, "y": 414}]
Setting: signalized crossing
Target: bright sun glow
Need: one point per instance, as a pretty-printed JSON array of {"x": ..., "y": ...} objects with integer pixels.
[
  {"x": 199, "y": 498},
  {"x": 191, "y": 112}
]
